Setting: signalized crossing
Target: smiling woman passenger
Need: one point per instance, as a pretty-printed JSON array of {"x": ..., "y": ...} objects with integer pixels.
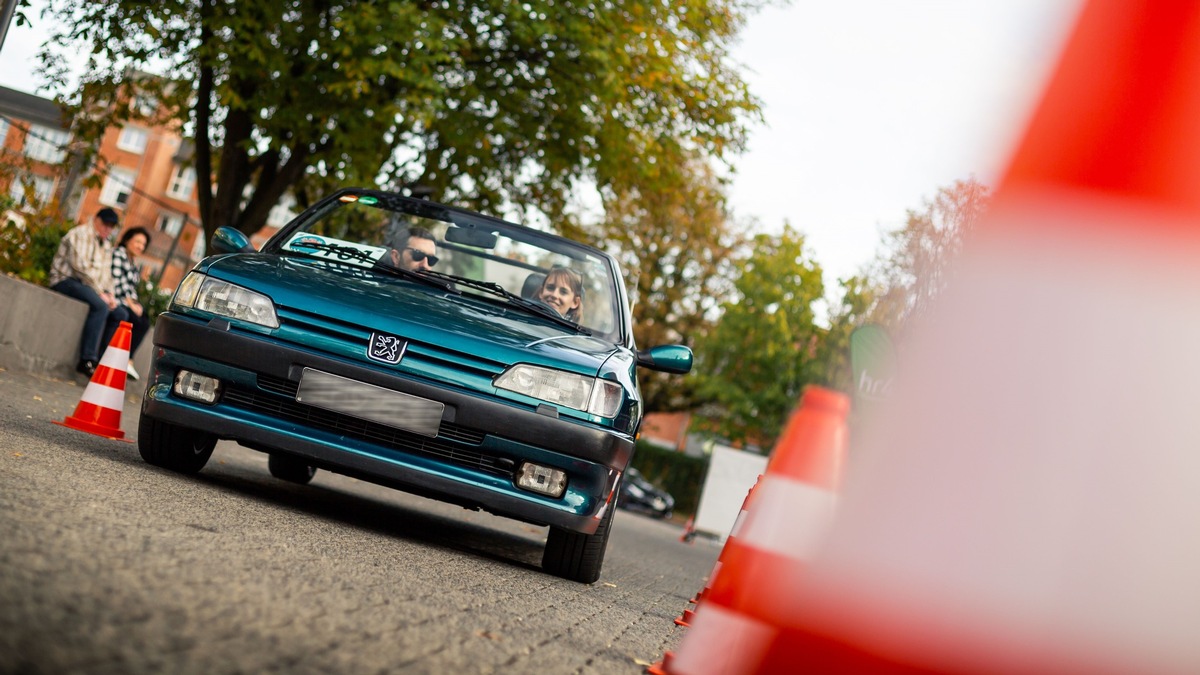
[{"x": 563, "y": 291}]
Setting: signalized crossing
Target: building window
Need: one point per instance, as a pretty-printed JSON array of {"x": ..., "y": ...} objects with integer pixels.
[
  {"x": 43, "y": 144},
  {"x": 133, "y": 139},
  {"x": 43, "y": 189},
  {"x": 182, "y": 183},
  {"x": 282, "y": 212},
  {"x": 17, "y": 190},
  {"x": 144, "y": 104},
  {"x": 118, "y": 185},
  {"x": 3, "y": 131},
  {"x": 171, "y": 223},
  {"x": 198, "y": 248}
]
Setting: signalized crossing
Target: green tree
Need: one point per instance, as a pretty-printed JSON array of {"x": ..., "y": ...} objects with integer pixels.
[
  {"x": 484, "y": 102},
  {"x": 758, "y": 357},
  {"x": 677, "y": 247},
  {"x": 859, "y": 297},
  {"x": 917, "y": 258}
]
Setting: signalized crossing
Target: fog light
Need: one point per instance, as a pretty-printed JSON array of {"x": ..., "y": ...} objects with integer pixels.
[
  {"x": 197, "y": 387},
  {"x": 542, "y": 479}
]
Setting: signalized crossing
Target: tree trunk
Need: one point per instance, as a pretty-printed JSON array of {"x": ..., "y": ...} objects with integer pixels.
[
  {"x": 273, "y": 182},
  {"x": 233, "y": 173}
]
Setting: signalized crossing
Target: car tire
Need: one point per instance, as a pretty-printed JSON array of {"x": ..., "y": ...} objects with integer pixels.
[
  {"x": 286, "y": 467},
  {"x": 576, "y": 556},
  {"x": 174, "y": 447}
]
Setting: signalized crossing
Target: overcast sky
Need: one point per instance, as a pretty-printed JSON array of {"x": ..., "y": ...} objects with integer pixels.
[{"x": 870, "y": 106}]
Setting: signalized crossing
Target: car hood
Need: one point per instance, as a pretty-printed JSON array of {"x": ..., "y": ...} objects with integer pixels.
[{"x": 356, "y": 300}]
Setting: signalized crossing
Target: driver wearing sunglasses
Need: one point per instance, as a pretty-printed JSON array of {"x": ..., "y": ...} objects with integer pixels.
[{"x": 418, "y": 252}]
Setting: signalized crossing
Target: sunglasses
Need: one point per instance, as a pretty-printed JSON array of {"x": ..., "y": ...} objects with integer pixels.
[{"x": 419, "y": 255}]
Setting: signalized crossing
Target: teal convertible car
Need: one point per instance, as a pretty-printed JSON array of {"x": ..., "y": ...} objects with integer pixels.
[{"x": 417, "y": 346}]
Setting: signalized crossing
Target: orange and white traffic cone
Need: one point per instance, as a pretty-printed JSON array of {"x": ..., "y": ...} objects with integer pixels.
[
  {"x": 730, "y": 541},
  {"x": 99, "y": 409},
  {"x": 1025, "y": 502},
  {"x": 662, "y": 667},
  {"x": 689, "y": 532},
  {"x": 786, "y": 517},
  {"x": 685, "y": 620}
]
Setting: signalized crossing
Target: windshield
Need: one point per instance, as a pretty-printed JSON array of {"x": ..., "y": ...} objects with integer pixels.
[{"x": 539, "y": 274}]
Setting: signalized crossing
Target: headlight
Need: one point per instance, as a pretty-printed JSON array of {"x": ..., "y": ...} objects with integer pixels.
[
  {"x": 226, "y": 299},
  {"x": 570, "y": 390},
  {"x": 185, "y": 295}
]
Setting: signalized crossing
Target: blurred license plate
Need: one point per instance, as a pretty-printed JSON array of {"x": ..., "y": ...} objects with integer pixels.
[{"x": 368, "y": 402}]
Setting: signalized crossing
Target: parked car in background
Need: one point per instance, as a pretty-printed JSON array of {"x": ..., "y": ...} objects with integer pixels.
[
  {"x": 641, "y": 496},
  {"x": 331, "y": 349}
]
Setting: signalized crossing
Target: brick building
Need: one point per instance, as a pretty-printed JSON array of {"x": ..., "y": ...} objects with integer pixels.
[
  {"x": 33, "y": 142},
  {"x": 148, "y": 179},
  {"x": 144, "y": 170}
]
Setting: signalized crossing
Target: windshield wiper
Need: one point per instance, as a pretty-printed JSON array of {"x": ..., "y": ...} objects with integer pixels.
[
  {"x": 424, "y": 277},
  {"x": 524, "y": 303}
]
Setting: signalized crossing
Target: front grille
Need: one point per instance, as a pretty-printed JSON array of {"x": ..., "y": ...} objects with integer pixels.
[
  {"x": 277, "y": 405},
  {"x": 278, "y": 385},
  {"x": 351, "y": 338}
]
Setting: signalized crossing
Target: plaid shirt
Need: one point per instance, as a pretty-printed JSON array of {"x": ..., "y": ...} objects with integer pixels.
[
  {"x": 126, "y": 275},
  {"x": 83, "y": 255}
]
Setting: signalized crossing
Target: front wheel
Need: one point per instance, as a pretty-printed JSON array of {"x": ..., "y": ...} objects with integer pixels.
[
  {"x": 172, "y": 446},
  {"x": 286, "y": 467},
  {"x": 576, "y": 556}
]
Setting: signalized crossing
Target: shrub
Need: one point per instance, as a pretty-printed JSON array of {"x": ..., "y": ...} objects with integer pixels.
[
  {"x": 679, "y": 474},
  {"x": 153, "y": 299},
  {"x": 28, "y": 241}
]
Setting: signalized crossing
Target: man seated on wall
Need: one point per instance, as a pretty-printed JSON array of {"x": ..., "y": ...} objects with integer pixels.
[{"x": 82, "y": 269}]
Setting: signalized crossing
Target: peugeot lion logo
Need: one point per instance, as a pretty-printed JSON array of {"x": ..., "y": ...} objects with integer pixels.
[{"x": 386, "y": 348}]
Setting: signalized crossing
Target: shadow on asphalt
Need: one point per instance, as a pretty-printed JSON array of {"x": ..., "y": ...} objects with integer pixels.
[
  {"x": 331, "y": 503},
  {"x": 113, "y": 450},
  {"x": 368, "y": 513}
]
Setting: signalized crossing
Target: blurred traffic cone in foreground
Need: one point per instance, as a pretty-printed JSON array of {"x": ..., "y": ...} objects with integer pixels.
[
  {"x": 786, "y": 518},
  {"x": 685, "y": 619},
  {"x": 99, "y": 409},
  {"x": 1026, "y": 500}
]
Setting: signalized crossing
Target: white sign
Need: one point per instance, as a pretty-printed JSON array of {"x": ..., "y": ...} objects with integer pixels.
[{"x": 731, "y": 474}]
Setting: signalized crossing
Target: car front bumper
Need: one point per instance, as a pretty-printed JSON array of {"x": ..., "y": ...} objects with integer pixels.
[{"x": 471, "y": 461}]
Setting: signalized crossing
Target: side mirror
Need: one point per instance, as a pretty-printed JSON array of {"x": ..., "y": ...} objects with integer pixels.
[
  {"x": 229, "y": 240},
  {"x": 666, "y": 358}
]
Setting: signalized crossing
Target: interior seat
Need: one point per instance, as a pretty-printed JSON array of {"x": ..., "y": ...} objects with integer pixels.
[{"x": 533, "y": 283}]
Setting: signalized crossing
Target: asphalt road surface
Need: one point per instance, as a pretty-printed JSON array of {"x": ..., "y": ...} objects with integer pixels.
[{"x": 109, "y": 565}]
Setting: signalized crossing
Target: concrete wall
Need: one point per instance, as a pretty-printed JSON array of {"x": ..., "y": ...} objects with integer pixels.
[{"x": 40, "y": 329}]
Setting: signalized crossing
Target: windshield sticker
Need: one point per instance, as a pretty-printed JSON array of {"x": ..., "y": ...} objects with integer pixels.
[{"x": 304, "y": 243}]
